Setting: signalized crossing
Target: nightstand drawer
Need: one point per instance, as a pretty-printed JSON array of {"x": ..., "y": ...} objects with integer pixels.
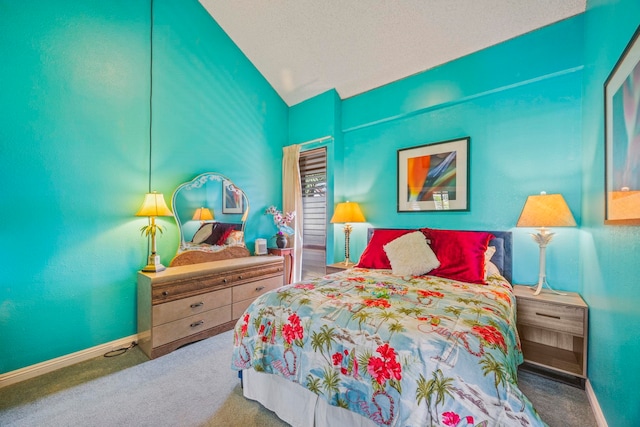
[{"x": 554, "y": 317}]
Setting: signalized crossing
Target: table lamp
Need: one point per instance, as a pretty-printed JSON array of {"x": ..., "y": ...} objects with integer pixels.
[
  {"x": 153, "y": 206},
  {"x": 543, "y": 211},
  {"x": 202, "y": 215},
  {"x": 347, "y": 212}
]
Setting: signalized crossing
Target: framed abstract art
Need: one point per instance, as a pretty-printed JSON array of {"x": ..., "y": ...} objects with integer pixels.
[
  {"x": 434, "y": 177},
  {"x": 231, "y": 198},
  {"x": 622, "y": 138}
]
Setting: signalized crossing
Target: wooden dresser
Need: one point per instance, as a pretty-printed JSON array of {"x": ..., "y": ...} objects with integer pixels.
[{"x": 188, "y": 303}]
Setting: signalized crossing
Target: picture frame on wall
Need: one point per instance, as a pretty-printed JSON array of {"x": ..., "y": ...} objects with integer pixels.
[
  {"x": 231, "y": 198},
  {"x": 622, "y": 138},
  {"x": 434, "y": 177}
]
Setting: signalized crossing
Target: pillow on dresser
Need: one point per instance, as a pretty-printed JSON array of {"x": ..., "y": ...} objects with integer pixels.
[
  {"x": 235, "y": 238},
  {"x": 461, "y": 253},
  {"x": 203, "y": 232},
  {"x": 410, "y": 255},
  {"x": 220, "y": 231}
]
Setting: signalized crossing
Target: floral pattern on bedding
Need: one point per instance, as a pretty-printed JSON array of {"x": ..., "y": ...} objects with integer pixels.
[{"x": 416, "y": 351}]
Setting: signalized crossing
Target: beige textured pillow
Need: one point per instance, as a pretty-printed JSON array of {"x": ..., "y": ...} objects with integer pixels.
[
  {"x": 492, "y": 270},
  {"x": 487, "y": 260},
  {"x": 236, "y": 238},
  {"x": 203, "y": 232},
  {"x": 410, "y": 255}
]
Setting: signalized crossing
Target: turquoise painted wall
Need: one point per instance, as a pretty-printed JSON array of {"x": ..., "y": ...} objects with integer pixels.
[
  {"x": 213, "y": 111},
  {"x": 609, "y": 254},
  {"x": 520, "y": 102},
  {"x": 74, "y": 147},
  {"x": 316, "y": 118}
]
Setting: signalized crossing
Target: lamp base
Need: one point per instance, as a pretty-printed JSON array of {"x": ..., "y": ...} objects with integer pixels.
[
  {"x": 153, "y": 264},
  {"x": 543, "y": 238},
  {"x": 538, "y": 288}
]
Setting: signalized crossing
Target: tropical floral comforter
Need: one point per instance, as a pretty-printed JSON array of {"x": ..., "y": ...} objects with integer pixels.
[{"x": 419, "y": 351}]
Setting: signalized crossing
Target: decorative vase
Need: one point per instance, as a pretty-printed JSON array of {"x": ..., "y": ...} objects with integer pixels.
[{"x": 281, "y": 241}]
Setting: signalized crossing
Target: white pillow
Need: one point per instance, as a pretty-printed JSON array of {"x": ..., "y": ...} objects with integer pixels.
[
  {"x": 203, "y": 233},
  {"x": 236, "y": 238},
  {"x": 491, "y": 270},
  {"x": 410, "y": 255},
  {"x": 487, "y": 260}
]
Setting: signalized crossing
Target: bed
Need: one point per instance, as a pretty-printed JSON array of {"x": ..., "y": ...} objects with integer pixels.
[{"x": 388, "y": 344}]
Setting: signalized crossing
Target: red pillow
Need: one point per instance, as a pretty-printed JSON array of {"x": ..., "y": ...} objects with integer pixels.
[
  {"x": 374, "y": 255},
  {"x": 461, "y": 253},
  {"x": 224, "y": 236}
]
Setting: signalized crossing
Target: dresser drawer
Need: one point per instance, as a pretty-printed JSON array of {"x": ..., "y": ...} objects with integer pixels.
[
  {"x": 174, "y": 310},
  {"x": 244, "y": 295},
  {"x": 167, "y": 332},
  {"x": 254, "y": 289},
  {"x": 196, "y": 285},
  {"x": 239, "y": 307},
  {"x": 555, "y": 317}
]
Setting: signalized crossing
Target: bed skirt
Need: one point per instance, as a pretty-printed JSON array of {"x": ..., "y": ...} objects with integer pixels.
[{"x": 295, "y": 404}]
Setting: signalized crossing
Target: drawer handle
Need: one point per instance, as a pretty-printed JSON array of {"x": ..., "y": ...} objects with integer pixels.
[
  {"x": 548, "y": 315},
  {"x": 165, "y": 293},
  {"x": 224, "y": 280},
  {"x": 259, "y": 288},
  {"x": 197, "y": 304},
  {"x": 240, "y": 277},
  {"x": 198, "y": 323}
]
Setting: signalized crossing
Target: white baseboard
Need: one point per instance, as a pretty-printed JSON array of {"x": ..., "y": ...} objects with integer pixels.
[
  {"x": 62, "y": 361},
  {"x": 595, "y": 406}
]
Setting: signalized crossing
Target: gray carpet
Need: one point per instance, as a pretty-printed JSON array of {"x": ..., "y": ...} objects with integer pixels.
[{"x": 194, "y": 386}]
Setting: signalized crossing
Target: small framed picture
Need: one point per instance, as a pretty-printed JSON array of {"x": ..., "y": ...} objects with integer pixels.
[
  {"x": 231, "y": 198},
  {"x": 434, "y": 177},
  {"x": 622, "y": 127}
]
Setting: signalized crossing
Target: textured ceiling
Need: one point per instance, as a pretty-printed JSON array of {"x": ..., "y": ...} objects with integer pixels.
[{"x": 306, "y": 47}]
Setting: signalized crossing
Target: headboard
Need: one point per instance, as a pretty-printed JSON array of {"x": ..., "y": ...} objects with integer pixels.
[{"x": 503, "y": 242}]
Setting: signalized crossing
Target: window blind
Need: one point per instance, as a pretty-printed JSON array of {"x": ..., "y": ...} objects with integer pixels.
[{"x": 313, "y": 179}]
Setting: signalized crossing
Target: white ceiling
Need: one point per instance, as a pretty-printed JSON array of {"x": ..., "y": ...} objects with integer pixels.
[{"x": 306, "y": 47}]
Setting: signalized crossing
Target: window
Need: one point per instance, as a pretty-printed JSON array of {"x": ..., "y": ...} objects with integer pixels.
[{"x": 313, "y": 177}]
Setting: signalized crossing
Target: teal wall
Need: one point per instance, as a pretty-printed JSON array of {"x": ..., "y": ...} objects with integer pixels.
[
  {"x": 519, "y": 102},
  {"x": 318, "y": 118},
  {"x": 75, "y": 161},
  {"x": 74, "y": 145},
  {"x": 609, "y": 254}
]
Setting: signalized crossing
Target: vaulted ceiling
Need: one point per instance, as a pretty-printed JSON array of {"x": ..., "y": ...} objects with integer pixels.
[{"x": 306, "y": 47}]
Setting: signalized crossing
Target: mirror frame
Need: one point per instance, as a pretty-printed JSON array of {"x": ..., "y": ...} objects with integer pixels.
[{"x": 198, "y": 182}]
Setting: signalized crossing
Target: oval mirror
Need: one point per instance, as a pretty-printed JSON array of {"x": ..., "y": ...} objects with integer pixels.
[{"x": 209, "y": 201}]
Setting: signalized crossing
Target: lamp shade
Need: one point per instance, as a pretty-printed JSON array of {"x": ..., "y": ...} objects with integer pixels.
[
  {"x": 546, "y": 210},
  {"x": 154, "y": 205},
  {"x": 203, "y": 214},
  {"x": 347, "y": 212}
]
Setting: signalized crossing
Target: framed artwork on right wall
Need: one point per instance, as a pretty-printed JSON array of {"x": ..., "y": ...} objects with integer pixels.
[{"x": 622, "y": 138}]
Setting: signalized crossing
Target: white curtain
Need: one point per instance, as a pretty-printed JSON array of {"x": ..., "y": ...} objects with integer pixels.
[{"x": 292, "y": 202}]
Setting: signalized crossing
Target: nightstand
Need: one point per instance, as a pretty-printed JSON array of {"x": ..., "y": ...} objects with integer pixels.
[
  {"x": 553, "y": 330},
  {"x": 287, "y": 253},
  {"x": 338, "y": 266}
]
